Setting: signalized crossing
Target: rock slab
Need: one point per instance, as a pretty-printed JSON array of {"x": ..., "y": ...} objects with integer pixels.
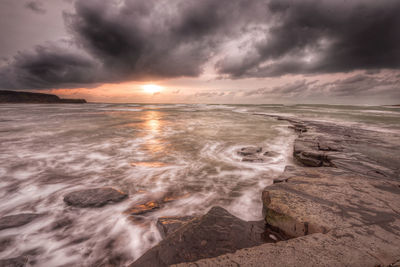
[
  {"x": 215, "y": 233},
  {"x": 167, "y": 225},
  {"x": 96, "y": 197}
]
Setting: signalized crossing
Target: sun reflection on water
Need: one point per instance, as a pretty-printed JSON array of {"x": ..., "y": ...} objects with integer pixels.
[{"x": 153, "y": 124}]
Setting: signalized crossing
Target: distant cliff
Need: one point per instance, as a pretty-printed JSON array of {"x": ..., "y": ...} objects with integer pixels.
[{"x": 27, "y": 97}]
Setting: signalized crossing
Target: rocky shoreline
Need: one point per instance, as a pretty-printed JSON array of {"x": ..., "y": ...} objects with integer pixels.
[
  {"x": 337, "y": 205},
  {"x": 340, "y": 202}
]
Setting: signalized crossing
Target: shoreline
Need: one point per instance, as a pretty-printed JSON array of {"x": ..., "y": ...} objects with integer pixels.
[{"x": 339, "y": 203}]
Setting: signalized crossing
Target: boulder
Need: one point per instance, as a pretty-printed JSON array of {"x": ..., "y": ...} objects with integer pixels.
[
  {"x": 96, "y": 197},
  {"x": 215, "y": 233},
  {"x": 167, "y": 225},
  {"x": 17, "y": 220}
]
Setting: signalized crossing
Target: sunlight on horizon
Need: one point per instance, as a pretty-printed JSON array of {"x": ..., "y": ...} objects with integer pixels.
[{"x": 151, "y": 88}]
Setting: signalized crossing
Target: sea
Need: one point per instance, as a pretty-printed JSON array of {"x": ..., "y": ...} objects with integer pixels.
[{"x": 186, "y": 152}]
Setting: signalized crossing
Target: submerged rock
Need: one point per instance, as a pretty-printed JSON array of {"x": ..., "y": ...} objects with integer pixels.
[
  {"x": 17, "y": 220},
  {"x": 6, "y": 242},
  {"x": 252, "y": 159},
  {"x": 271, "y": 154},
  {"x": 137, "y": 212},
  {"x": 14, "y": 262},
  {"x": 248, "y": 151},
  {"x": 215, "y": 233},
  {"x": 96, "y": 197},
  {"x": 61, "y": 223},
  {"x": 140, "y": 209},
  {"x": 298, "y": 127}
]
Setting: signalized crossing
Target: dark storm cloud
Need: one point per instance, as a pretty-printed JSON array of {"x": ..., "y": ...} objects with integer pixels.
[
  {"x": 49, "y": 67},
  {"x": 313, "y": 36},
  {"x": 139, "y": 39},
  {"x": 143, "y": 39},
  {"x": 124, "y": 40},
  {"x": 36, "y": 7}
]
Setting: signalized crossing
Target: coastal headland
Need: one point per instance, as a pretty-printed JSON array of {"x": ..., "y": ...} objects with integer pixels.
[{"x": 35, "y": 98}]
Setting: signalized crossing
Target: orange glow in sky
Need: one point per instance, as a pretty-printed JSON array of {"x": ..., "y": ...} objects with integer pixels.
[{"x": 151, "y": 88}]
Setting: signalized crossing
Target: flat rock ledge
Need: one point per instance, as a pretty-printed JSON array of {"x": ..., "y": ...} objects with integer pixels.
[
  {"x": 341, "y": 203},
  {"x": 95, "y": 197},
  {"x": 192, "y": 238}
]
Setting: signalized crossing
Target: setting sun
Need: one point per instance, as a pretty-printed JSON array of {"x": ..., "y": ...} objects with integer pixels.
[{"x": 151, "y": 88}]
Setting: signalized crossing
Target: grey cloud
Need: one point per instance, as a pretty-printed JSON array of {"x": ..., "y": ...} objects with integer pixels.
[
  {"x": 364, "y": 85},
  {"x": 313, "y": 36},
  {"x": 49, "y": 67},
  {"x": 296, "y": 88},
  {"x": 36, "y": 7},
  {"x": 125, "y": 40},
  {"x": 211, "y": 94},
  {"x": 140, "y": 39},
  {"x": 356, "y": 86},
  {"x": 143, "y": 39}
]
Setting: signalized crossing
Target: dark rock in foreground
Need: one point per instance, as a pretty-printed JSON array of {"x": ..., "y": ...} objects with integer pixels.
[
  {"x": 215, "y": 233},
  {"x": 96, "y": 197},
  {"x": 167, "y": 225},
  {"x": 17, "y": 220},
  {"x": 38, "y": 98}
]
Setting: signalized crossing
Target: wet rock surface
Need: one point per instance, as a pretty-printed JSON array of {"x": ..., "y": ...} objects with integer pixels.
[
  {"x": 210, "y": 235},
  {"x": 255, "y": 154},
  {"x": 137, "y": 212},
  {"x": 96, "y": 197},
  {"x": 249, "y": 151},
  {"x": 17, "y": 220},
  {"x": 167, "y": 225},
  {"x": 341, "y": 204},
  {"x": 252, "y": 159}
]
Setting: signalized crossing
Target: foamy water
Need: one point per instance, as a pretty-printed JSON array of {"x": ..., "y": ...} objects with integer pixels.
[
  {"x": 185, "y": 152},
  {"x": 188, "y": 152}
]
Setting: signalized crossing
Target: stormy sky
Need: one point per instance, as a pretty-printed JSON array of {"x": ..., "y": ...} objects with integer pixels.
[{"x": 206, "y": 51}]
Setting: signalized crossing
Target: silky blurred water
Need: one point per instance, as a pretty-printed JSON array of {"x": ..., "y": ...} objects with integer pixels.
[{"x": 185, "y": 152}]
